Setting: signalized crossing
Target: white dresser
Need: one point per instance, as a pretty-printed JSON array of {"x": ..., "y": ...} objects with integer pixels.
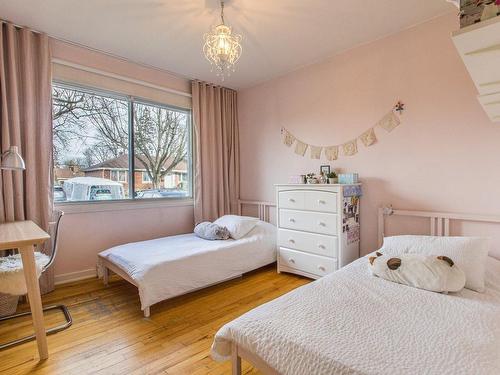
[{"x": 318, "y": 228}]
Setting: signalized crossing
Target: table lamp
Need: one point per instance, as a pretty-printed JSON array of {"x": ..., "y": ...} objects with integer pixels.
[{"x": 11, "y": 159}]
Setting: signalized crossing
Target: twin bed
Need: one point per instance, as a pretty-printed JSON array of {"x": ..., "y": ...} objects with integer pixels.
[{"x": 171, "y": 266}]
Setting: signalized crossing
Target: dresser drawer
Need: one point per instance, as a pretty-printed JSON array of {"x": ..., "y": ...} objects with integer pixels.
[
  {"x": 314, "y": 264},
  {"x": 316, "y": 222},
  {"x": 309, "y": 242},
  {"x": 320, "y": 201},
  {"x": 291, "y": 199}
]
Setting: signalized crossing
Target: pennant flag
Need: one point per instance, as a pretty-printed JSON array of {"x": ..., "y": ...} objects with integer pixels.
[
  {"x": 389, "y": 122},
  {"x": 368, "y": 137},
  {"x": 332, "y": 152},
  {"x": 288, "y": 137},
  {"x": 315, "y": 152},
  {"x": 300, "y": 148},
  {"x": 350, "y": 148}
]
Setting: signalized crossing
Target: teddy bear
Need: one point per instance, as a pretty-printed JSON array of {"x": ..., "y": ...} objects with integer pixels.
[{"x": 434, "y": 273}]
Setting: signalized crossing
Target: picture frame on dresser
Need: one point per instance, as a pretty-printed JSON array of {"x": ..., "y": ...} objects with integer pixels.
[
  {"x": 325, "y": 169},
  {"x": 318, "y": 227}
]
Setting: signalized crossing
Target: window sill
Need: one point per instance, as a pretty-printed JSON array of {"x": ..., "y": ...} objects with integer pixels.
[{"x": 137, "y": 204}]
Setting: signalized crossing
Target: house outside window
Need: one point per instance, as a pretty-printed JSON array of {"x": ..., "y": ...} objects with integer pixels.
[{"x": 95, "y": 134}]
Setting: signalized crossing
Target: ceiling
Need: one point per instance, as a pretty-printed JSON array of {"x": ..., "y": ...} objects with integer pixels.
[{"x": 279, "y": 35}]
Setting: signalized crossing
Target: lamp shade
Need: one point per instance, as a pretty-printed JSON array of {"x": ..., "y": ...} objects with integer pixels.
[{"x": 12, "y": 160}]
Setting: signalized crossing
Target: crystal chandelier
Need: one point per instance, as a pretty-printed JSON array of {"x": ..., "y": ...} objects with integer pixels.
[{"x": 222, "y": 48}]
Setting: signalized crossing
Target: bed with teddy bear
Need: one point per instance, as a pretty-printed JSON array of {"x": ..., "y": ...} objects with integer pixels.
[
  {"x": 419, "y": 305},
  {"x": 170, "y": 266}
]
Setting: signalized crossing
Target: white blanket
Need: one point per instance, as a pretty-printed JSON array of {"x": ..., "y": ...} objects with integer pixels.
[
  {"x": 167, "y": 267},
  {"x": 351, "y": 322}
]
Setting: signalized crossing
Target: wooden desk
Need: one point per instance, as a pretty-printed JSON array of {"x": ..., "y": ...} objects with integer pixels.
[{"x": 23, "y": 235}]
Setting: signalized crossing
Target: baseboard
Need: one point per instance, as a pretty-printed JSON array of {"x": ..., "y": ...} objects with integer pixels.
[{"x": 74, "y": 276}]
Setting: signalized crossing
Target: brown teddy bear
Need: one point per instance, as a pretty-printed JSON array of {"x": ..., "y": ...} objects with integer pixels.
[{"x": 434, "y": 273}]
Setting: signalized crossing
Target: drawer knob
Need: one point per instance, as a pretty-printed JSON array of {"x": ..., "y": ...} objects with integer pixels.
[
  {"x": 322, "y": 224},
  {"x": 291, "y": 240},
  {"x": 321, "y": 246},
  {"x": 291, "y": 260},
  {"x": 291, "y": 220},
  {"x": 321, "y": 201},
  {"x": 322, "y": 268},
  {"x": 291, "y": 200}
]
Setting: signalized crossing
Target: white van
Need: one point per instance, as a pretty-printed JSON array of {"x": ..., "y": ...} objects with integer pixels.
[{"x": 92, "y": 189}]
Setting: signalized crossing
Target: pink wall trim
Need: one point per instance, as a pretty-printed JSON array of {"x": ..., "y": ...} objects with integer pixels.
[
  {"x": 84, "y": 235},
  {"x": 97, "y": 60},
  {"x": 444, "y": 157}
]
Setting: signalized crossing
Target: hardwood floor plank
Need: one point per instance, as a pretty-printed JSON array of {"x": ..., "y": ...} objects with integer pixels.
[{"x": 110, "y": 335}]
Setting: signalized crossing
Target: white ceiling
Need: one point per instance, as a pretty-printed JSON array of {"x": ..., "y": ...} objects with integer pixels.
[{"x": 279, "y": 35}]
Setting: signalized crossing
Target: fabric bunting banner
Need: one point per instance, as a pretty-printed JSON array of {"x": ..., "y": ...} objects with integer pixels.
[
  {"x": 300, "y": 148},
  {"x": 389, "y": 122},
  {"x": 332, "y": 152},
  {"x": 316, "y": 152}
]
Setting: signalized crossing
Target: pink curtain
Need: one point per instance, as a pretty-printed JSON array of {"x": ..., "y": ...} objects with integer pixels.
[
  {"x": 217, "y": 185},
  {"x": 25, "y": 113}
]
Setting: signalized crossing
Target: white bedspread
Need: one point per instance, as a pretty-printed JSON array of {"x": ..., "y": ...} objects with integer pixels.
[
  {"x": 167, "y": 267},
  {"x": 351, "y": 322}
]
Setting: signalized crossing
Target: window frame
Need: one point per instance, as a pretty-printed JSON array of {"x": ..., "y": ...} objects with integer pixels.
[{"x": 132, "y": 200}]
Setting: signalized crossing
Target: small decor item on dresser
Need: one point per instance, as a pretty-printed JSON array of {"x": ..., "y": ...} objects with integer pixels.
[
  {"x": 348, "y": 178},
  {"x": 296, "y": 179},
  {"x": 311, "y": 178},
  {"x": 332, "y": 178},
  {"x": 324, "y": 169}
]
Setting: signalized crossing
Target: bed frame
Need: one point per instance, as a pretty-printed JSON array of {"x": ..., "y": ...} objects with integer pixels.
[
  {"x": 107, "y": 266},
  {"x": 439, "y": 226}
]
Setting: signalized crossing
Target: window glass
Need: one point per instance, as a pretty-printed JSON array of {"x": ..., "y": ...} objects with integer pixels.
[
  {"x": 90, "y": 142},
  {"x": 92, "y": 145},
  {"x": 161, "y": 142}
]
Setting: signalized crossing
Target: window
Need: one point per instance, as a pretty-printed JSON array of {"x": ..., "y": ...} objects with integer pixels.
[
  {"x": 99, "y": 138},
  {"x": 146, "y": 178},
  {"x": 120, "y": 176}
]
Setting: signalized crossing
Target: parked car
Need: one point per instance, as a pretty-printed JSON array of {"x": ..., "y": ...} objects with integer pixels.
[
  {"x": 59, "y": 194},
  {"x": 92, "y": 189},
  {"x": 161, "y": 193}
]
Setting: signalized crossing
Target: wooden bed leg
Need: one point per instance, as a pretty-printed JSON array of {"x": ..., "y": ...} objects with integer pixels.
[
  {"x": 105, "y": 276},
  {"x": 235, "y": 360},
  {"x": 147, "y": 312}
]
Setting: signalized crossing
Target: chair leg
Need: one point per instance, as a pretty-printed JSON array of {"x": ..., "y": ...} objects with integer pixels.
[
  {"x": 51, "y": 331},
  {"x": 147, "y": 312}
]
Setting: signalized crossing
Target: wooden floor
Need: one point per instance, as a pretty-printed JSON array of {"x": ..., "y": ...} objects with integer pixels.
[{"x": 110, "y": 336}]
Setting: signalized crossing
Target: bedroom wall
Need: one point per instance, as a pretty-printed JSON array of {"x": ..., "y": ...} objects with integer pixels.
[
  {"x": 444, "y": 156},
  {"x": 85, "y": 232}
]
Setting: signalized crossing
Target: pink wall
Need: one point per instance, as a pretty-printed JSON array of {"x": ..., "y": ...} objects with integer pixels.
[
  {"x": 445, "y": 155},
  {"x": 85, "y": 234},
  {"x": 97, "y": 60}
]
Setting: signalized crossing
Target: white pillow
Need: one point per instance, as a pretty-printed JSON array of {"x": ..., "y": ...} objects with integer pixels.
[
  {"x": 469, "y": 253},
  {"x": 238, "y": 226}
]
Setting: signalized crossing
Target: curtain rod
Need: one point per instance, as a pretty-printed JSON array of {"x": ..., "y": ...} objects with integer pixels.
[{"x": 119, "y": 77}]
